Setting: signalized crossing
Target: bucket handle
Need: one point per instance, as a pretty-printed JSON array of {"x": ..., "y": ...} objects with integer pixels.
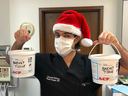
[
  {"x": 98, "y": 43},
  {"x": 9, "y": 49}
]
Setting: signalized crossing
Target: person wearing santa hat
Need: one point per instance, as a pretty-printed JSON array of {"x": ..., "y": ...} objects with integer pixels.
[{"x": 68, "y": 73}]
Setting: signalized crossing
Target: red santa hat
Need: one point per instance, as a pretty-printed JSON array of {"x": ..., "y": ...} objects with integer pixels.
[{"x": 75, "y": 23}]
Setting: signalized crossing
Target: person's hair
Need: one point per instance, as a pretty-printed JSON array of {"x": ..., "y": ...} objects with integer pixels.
[{"x": 77, "y": 45}]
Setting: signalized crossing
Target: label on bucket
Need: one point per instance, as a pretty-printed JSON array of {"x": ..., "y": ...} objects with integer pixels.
[
  {"x": 21, "y": 65},
  {"x": 104, "y": 70}
]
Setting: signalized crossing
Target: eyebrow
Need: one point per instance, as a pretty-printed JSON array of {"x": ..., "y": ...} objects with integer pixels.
[
  {"x": 56, "y": 32},
  {"x": 64, "y": 33},
  {"x": 67, "y": 33}
]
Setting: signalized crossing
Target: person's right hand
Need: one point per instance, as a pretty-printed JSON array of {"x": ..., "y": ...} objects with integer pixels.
[{"x": 22, "y": 36}]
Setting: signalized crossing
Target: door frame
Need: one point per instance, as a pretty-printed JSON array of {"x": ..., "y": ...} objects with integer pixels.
[{"x": 42, "y": 12}]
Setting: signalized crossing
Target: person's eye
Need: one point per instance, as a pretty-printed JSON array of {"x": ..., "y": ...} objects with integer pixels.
[
  {"x": 66, "y": 36},
  {"x": 57, "y": 35}
]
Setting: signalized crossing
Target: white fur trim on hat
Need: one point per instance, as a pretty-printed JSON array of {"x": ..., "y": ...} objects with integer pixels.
[
  {"x": 86, "y": 42},
  {"x": 67, "y": 28}
]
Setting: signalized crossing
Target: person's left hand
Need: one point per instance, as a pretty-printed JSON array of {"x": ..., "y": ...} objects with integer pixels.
[{"x": 106, "y": 38}]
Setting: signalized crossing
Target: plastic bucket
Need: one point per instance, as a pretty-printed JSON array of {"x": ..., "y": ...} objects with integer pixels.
[
  {"x": 22, "y": 63},
  {"x": 105, "y": 67}
]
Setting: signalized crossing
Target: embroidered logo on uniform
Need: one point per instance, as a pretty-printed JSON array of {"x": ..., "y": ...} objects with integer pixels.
[{"x": 55, "y": 79}]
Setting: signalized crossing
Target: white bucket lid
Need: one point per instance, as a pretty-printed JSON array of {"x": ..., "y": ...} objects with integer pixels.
[
  {"x": 21, "y": 52},
  {"x": 104, "y": 56}
]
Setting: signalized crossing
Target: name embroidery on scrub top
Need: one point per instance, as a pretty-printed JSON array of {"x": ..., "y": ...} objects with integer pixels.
[{"x": 55, "y": 79}]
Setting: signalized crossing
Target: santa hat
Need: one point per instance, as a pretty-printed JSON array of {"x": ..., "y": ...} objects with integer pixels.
[{"x": 75, "y": 23}]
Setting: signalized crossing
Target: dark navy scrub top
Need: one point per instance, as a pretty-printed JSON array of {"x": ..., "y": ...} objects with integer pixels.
[{"x": 57, "y": 79}]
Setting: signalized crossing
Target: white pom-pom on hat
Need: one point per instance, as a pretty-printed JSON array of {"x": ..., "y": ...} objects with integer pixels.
[{"x": 86, "y": 42}]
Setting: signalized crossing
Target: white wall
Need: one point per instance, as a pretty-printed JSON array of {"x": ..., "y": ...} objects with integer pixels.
[
  {"x": 4, "y": 23},
  {"x": 28, "y": 87},
  {"x": 28, "y": 10}
]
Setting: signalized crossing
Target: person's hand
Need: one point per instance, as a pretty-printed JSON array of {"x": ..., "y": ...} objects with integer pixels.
[
  {"x": 22, "y": 36},
  {"x": 106, "y": 38}
]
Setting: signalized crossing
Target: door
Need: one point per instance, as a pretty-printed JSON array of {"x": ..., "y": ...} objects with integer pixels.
[{"x": 48, "y": 16}]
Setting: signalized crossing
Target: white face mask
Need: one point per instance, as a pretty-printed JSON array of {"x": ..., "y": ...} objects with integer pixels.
[{"x": 63, "y": 46}]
